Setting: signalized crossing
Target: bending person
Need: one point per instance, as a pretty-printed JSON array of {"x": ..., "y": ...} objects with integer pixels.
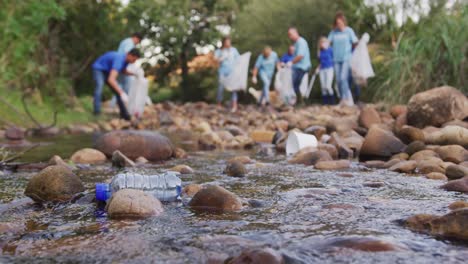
[
  {"x": 301, "y": 63},
  {"x": 265, "y": 68},
  {"x": 106, "y": 69},
  {"x": 342, "y": 39},
  {"x": 227, "y": 57}
]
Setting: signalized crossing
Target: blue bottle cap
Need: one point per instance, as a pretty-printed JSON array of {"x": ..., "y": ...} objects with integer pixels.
[{"x": 103, "y": 192}]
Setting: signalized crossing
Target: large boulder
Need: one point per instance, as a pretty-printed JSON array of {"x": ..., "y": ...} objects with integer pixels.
[
  {"x": 54, "y": 184},
  {"x": 215, "y": 198},
  {"x": 436, "y": 107},
  {"x": 449, "y": 135},
  {"x": 133, "y": 204},
  {"x": 133, "y": 144},
  {"x": 368, "y": 117},
  {"x": 452, "y": 225},
  {"x": 88, "y": 156},
  {"x": 380, "y": 143}
]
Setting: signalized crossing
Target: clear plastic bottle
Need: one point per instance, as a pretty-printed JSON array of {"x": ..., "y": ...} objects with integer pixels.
[{"x": 166, "y": 187}]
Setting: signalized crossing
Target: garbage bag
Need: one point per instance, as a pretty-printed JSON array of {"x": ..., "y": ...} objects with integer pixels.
[
  {"x": 138, "y": 93},
  {"x": 284, "y": 86},
  {"x": 237, "y": 80},
  {"x": 361, "y": 65}
]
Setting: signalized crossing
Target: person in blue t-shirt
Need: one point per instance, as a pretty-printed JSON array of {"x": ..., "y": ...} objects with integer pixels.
[
  {"x": 106, "y": 69},
  {"x": 342, "y": 39},
  {"x": 287, "y": 57},
  {"x": 301, "y": 63},
  {"x": 125, "y": 46},
  {"x": 265, "y": 68},
  {"x": 226, "y": 57},
  {"x": 325, "y": 55}
]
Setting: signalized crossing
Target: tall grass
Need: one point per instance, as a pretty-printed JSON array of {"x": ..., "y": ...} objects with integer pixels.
[{"x": 432, "y": 54}]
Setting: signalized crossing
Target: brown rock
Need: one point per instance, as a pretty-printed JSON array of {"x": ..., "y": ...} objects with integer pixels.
[
  {"x": 310, "y": 157},
  {"x": 241, "y": 159},
  {"x": 213, "y": 197},
  {"x": 180, "y": 153},
  {"x": 414, "y": 147},
  {"x": 344, "y": 152},
  {"x": 333, "y": 165},
  {"x": 398, "y": 110},
  {"x": 404, "y": 166},
  {"x": 88, "y": 156},
  {"x": 364, "y": 244},
  {"x": 133, "y": 204},
  {"x": 436, "y": 107},
  {"x": 450, "y": 135},
  {"x": 458, "y": 205},
  {"x": 377, "y": 164},
  {"x": 368, "y": 117},
  {"x": 133, "y": 144},
  {"x": 436, "y": 176},
  {"x": 455, "y": 172},
  {"x": 460, "y": 185},
  {"x": 258, "y": 256},
  {"x": 54, "y": 184},
  {"x": 331, "y": 149},
  {"x": 451, "y": 225},
  {"x": 430, "y": 165},
  {"x": 424, "y": 155},
  {"x": 182, "y": 169},
  {"x": 57, "y": 160},
  {"x": 408, "y": 134},
  {"x": 400, "y": 121},
  {"x": 141, "y": 161},
  {"x": 401, "y": 156},
  {"x": 452, "y": 153},
  {"x": 191, "y": 189},
  {"x": 391, "y": 163},
  {"x": 464, "y": 164},
  {"x": 15, "y": 133},
  {"x": 261, "y": 136},
  {"x": 317, "y": 131},
  {"x": 420, "y": 222},
  {"x": 380, "y": 143},
  {"x": 235, "y": 169}
]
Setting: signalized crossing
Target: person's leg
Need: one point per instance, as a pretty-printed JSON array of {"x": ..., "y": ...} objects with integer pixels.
[
  {"x": 337, "y": 67},
  {"x": 266, "y": 88},
  {"x": 220, "y": 93},
  {"x": 122, "y": 107},
  {"x": 344, "y": 79},
  {"x": 329, "y": 85},
  {"x": 323, "y": 86},
  {"x": 99, "y": 78},
  {"x": 234, "y": 101},
  {"x": 298, "y": 74}
]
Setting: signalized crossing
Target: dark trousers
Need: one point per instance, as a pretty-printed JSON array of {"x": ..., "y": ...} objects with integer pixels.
[{"x": 100, "y": 79}]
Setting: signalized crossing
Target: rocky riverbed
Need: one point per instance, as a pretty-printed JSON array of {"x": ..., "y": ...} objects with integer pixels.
[{"x": 385, "y": 184}]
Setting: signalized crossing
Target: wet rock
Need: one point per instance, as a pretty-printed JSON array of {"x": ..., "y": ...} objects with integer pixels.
[
  {"x": 54, "y": 184},
  {"x": 404, "y": 166},
  {"x": 141, "y": 160},
  {"x": 241, "y": 159},
  {"x": 258, "y": 256},
  {"x": 133, "y": 204},
  {"x": 209, "y": 140},
  {"x": 88, "y": 156},
  {"x": 460, "y": 185},
  {"x": 400, "y": 121},
  {"x": 333, "y": 165},
  {"x": 368, "y": 117},
  {"x": 451, "y": 225},
  {"x": 180, "y": 153},
  {"x": 344, "y": 152},
  {"x": 262, "y": 136},
  {"x": 235, "y": 130},
  {"x": 408, "y": 134},
  {"x": 452, "y": 153},
  {"x": 281, "y": 125},
  {"x": 424, "y": 155},
  {"x": 310, "y": 157},
  {"x": 363, "y": 244},
  {"x": 225, "y": 135},
  {"x": 57, "y": 160},
  {"x": 380, "y": 143},
  {"x": 436, "y": 107},
  {"x": 464, "y": 164},
  {"x": 455, "y": 172},
  {"x": 398, "y": 110},
  {"x": 182, "y": 169},
  {"x": 456, "y": 123},
  {"x": 427, "y": 166},
  {"x": 331, "y": 149},
  {"x": 15, "y": 133},
  {"x": 458, "y": 205},
  {"x": 266, "y": 150},
  {"x": 436, "y": 176},
  {"x": 214, "y": 197},
  {"x": 414, "y": 147},
  {"x": 450, "y": 135},
  {"x": 401, "y": 156},
  {"x": 376, "y": 164},
  {"x": 235, "y": 169},
  {"x": 317, "y": 131},
  {"x": 192, "y": 189},
  {"x": 119, "y": 160},
  {"x": 133, "y": 144},
  {"x": 391, "y": 163},
  {"x": 419, "y": 222}
]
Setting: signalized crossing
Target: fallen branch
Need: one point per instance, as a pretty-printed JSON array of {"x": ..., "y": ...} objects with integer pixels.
[
  {"x": 39, "y": 126},
  {"x": 18, "y": 155}
]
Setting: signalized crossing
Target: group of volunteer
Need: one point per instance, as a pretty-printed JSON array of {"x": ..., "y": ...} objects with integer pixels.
[{"x": 334, "y": 54}]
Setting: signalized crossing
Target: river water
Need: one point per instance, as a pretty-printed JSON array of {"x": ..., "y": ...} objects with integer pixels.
[{"x": 301, "y": 212}]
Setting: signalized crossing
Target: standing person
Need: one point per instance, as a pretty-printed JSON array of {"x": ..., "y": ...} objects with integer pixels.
[
  {"x": 325, "y": 55},
  {"x": 342, "y": 39},
  {"x": 287, "y": 57},
  {"x": 126, "y": 46},
  {"x": 265, "y": 68},
  {"x": 301, "y": 63},
  {"x": 227, "y": 57},
  {"x": 106, "y": 69}
]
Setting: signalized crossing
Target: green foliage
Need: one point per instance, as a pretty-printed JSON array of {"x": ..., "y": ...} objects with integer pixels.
[{"x": 433, "y": 53}]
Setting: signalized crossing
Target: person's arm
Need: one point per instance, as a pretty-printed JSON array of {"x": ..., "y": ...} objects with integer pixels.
[
  {"x": 354, "y": 38},
  {"x": 112, "y": 81},
  {"x": 258, "y": 63}
]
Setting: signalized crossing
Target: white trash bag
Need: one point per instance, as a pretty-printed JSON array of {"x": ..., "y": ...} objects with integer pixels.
[
  {"x": 284, "y": 86},
  {"x": 237, "y": 80},
  {"x": 138, "y": 94},
  {"x": 361, "y": 65}
]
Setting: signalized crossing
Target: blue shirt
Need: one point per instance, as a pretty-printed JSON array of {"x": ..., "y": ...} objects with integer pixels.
[
  {"x": 111, "y": 60},
  {"x": 342, "y": 43},
  {"x": 287, "y": 58},
  {"x": 126, "y": 45},
  {"x": 267, "y": 65},
  {"x": 326, "y": 58},
  {"x": 228, "y": 58},
  {"x": 302, "y": 49}
]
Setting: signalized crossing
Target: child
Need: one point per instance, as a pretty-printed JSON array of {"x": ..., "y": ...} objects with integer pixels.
[{"x": 326, "y": 73}]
